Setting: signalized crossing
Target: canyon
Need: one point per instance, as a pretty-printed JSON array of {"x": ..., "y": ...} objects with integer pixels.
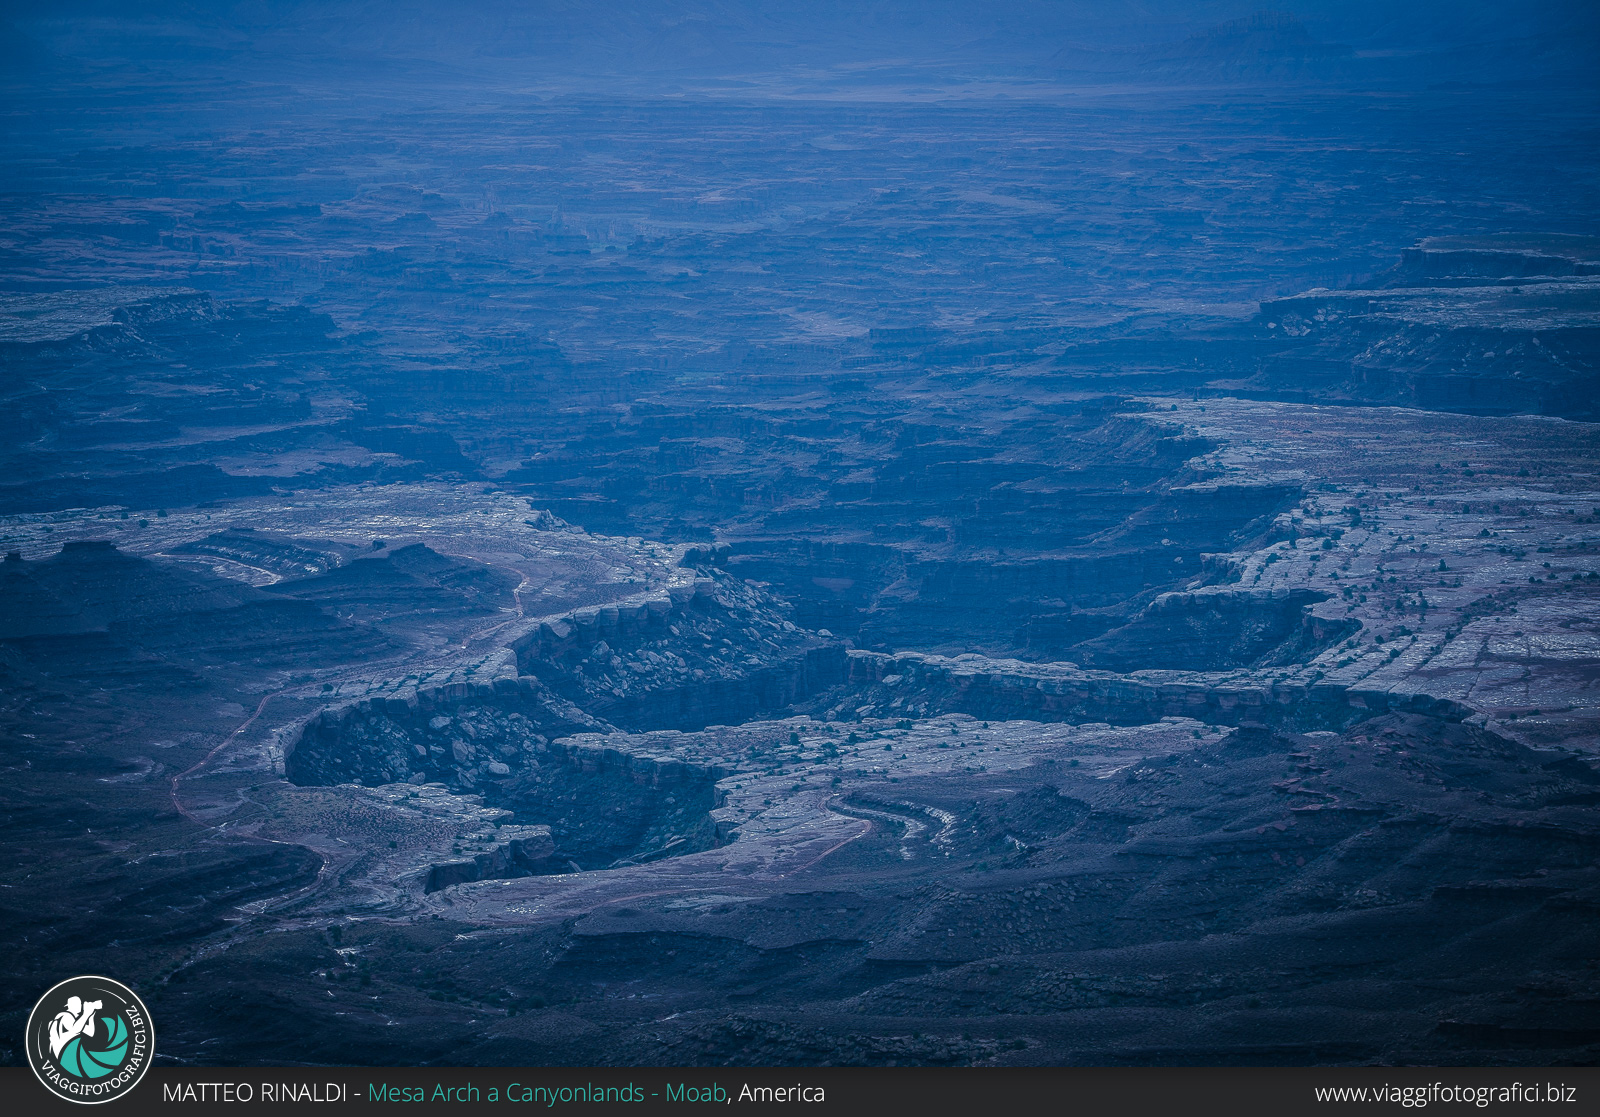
[{"x": 1089, "y": 576}]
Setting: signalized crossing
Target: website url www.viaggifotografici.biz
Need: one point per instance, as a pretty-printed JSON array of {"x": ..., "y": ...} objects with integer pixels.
[{"x": 1444, "y": 1093}]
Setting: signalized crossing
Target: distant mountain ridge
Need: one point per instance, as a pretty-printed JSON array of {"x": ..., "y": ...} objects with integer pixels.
[{"x": 830, "y": 41}]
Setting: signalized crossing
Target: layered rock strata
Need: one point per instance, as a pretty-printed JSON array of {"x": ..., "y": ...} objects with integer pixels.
[
  {"x": 919, "y": 686},
  {"x": 596, "y": 803},
  {"x": 712, "y": 651}
]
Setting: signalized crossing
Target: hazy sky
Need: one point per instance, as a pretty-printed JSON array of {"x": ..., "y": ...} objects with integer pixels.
[{"x": 946, "y": 40}]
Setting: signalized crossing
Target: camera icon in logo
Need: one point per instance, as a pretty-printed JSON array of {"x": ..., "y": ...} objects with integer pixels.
[{"x": 90, "y": 1039}]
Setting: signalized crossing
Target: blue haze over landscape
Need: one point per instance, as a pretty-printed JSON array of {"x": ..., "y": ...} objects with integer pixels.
[{"x": 684, "y": 533}]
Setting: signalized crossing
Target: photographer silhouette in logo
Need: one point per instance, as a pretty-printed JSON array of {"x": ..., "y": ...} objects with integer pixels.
[{"x": 77, "y": 1019}]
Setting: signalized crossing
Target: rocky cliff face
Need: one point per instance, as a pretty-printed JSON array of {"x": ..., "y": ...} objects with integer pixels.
[
  {"x": 431, "y": 735},
  {"x": 599, "y": 804},
  {"x": 1483, "y": 325},
  {"x": 1036, "y": 538},
  {"x": 518, "y": 852},
  {"x": 1215, "y": 629},
  {"x": 711, "y": 651},
  {"x": 1002, "y": 690}
]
